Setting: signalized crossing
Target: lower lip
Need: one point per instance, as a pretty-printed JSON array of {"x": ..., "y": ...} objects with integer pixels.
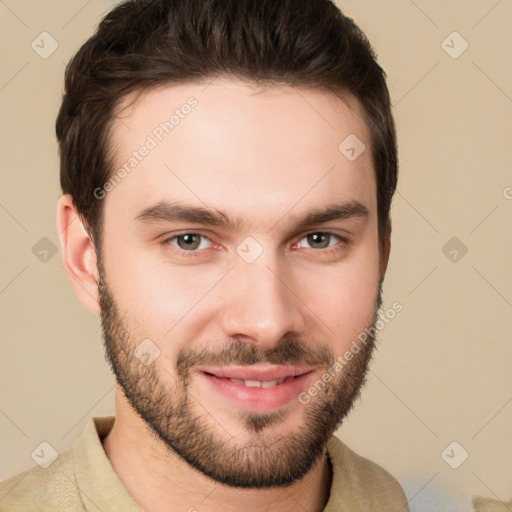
[{"x": 258, "y": 399}]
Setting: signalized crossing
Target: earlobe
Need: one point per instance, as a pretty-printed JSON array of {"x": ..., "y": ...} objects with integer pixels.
[{"x": 78, "y": 254}]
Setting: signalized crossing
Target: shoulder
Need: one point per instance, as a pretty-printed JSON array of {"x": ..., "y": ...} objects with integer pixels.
[
  {"x": 38, "y": 489},
  {"x": 368, "y": 484}
]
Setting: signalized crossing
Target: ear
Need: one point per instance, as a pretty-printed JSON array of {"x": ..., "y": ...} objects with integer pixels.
[
  {"x": 385, "y": 248},
  {"x": 78, "y": 254}
]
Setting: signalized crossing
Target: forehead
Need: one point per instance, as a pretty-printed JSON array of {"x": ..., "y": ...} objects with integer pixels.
[{"x": 240, "y": 148}]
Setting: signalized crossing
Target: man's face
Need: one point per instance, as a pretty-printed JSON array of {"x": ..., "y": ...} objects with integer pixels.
[{"x": 214, "y": 329}]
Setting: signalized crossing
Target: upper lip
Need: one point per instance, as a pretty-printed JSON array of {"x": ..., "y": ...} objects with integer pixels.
[{"x": 261, "y": 373}]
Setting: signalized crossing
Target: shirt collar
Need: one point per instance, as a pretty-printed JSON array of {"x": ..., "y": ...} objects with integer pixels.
[{"x": 100, "y": 487}]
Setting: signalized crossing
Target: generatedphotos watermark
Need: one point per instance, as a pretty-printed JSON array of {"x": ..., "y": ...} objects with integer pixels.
[
  {"x": 355, "y": 347},
  {"x": 156, "y": 136}
]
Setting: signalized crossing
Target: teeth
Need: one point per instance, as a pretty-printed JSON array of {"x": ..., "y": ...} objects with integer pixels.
[
  {"x": 258, "y": 383},
  {"x": 270, "y": 383},
  {"x": 237, "y": 381},
  {"x": 252, "y": 383}
]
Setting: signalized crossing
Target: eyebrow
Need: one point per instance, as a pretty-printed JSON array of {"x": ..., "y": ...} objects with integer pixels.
[{"x": 166, "y": 211}]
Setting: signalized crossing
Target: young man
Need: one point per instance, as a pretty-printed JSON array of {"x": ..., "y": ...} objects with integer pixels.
[{"x": 227, "y": 168}]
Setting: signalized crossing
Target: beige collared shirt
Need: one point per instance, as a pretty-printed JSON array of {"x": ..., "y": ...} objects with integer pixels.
[{"x": 82, "y": 479}]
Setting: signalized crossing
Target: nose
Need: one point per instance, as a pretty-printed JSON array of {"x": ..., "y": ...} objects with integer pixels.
[{"x": 260, "y": 304}]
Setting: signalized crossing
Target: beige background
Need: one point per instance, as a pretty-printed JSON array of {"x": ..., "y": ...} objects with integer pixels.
[{"x": 442, "y": 372}]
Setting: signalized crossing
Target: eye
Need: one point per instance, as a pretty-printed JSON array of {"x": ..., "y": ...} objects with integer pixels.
[
  {"x": 189, "y": 242},
  {"x": 321, "y": 240}
]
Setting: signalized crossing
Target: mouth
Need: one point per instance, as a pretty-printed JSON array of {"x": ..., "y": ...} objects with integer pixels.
[
  {"x": 256, "y": 388},
  {"x": 260, "y": 383}
]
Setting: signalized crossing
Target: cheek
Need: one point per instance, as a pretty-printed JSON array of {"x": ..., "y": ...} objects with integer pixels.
[
  {"x": 161, "y": 299},
  {"x": 345, "y": 299}
]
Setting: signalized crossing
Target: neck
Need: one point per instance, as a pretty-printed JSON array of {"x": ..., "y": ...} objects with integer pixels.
[{"x": 159, "y": 480}]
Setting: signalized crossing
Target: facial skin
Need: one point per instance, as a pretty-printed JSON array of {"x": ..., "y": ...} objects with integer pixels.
[{"x": 265, "y": 157}]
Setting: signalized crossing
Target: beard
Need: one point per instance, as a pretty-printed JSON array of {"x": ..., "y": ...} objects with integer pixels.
[{"x": 261, "y": 458}]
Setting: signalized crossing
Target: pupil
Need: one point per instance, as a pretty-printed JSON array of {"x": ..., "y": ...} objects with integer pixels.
[
  {"x": 189, "y": 241},
  {"x": 318, "y": 238}
]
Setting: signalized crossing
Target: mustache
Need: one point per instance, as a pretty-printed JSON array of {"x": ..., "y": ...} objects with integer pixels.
[{"x": 286, "y": 351}]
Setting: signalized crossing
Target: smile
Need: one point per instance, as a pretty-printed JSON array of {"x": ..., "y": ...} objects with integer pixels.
[
  {"x": 260, "y": 383},
  {"x": 255, "y": 388}
]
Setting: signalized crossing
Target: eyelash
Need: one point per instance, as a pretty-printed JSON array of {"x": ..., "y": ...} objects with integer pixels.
[{"x": 197, "y": 252}]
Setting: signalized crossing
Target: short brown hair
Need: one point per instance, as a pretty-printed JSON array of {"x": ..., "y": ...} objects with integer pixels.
[{"x": 142, "y": 44}]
